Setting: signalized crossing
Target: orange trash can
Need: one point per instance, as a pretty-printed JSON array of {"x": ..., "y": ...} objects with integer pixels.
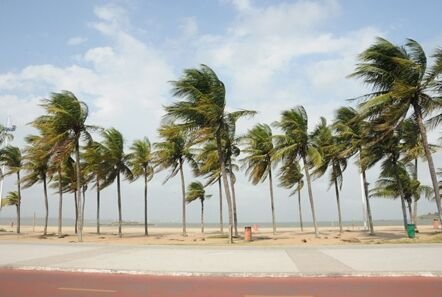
[{"x": 248, "y": 233}]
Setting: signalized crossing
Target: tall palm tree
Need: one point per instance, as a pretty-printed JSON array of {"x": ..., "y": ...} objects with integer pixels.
[
  {"x": 96, "y": 167},
  {"x": 118, "y": 164},
  {"x": 171, "y": 154},
  {"x": 401, "y": 83},
  {"x": 37, "y": 166},
  {"x": 330, "y": 148},
  {"x": 195, "y": 190},
  {"x": 203, "y": 110},
  {"x": 64, "y": 124},
  {"x": 352, "y": 130},
  {"x": 258, "y": 160},
  {"x": 13, "y": 199},
  {"x": 11, "y": 157},
  {"x": 290, "y": 176},
  {"x": 142, "y": 166},
  {"x": 296, "y": 144}
]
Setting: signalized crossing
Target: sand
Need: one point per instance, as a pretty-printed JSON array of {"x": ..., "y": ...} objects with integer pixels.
[{"x": 134, "y": 235}]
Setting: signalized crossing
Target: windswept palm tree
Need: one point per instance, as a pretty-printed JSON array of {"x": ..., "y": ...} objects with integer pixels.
[
  {"x": 118, "y": 164},
  {"x": 63, "y": 126},
  {"x": 11, "y": 157},
  {"x": 13, "y": 199},
  {"x": 96, "y": 167},
  {"x": 36, "y": 164},
  {"x": 259, "y": 152},
  {"x": 401, "y": 82},
  {"x": 208, "y": 166},
  {"x": 296, "y": 144},
  {"x": 203, "y": 110},
  {"x": 352, "y": 130},
  {"x": 141, "y": 162},
  {"x": 388, "y": 186},
  {"x": 330, "y": 148},
  {"x": 290, "y": 177},
  {"x": 170, "y": 154},
  {"x": 195, "y": 191}
]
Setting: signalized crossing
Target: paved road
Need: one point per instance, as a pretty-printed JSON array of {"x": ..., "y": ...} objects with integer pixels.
[
  {"x": 18, "y": 283},
  {"x": 249, "y": 261}
]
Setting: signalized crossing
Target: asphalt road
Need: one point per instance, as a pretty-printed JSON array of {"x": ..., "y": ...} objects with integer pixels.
[{"x": 25, "y": 283}]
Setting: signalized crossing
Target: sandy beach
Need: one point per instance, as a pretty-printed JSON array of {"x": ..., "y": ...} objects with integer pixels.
[{"x": 134, "y": 235}]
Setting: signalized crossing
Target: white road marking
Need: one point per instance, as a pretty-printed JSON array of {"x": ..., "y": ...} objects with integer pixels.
[{"x": 87, "y": 290}]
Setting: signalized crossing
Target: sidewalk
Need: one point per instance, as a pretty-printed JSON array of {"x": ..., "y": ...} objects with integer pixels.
[{"x": 234, "y": 261}]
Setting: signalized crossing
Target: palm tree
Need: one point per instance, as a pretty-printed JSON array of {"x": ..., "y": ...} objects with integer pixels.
[
  {"x": 388, "y": 186},
  {"x": 412, "y": 149},
  {"x": 195, "y": 191},
  {"x": 96, "y": 167},
  {"x": 203, "y": 110},
  {"x": 63, "y": 126},
  {"x": 118, "y": 164},
  {"x": 208, "y": 166},
  {"x": 330, "y": 147},
  {"x": 171, "y": 154},
  {"x": 37, "y": 166},
  {"x": 11, "y": 157},
  {"x": 402, "y": 83},
  {"x": 290, "y": 176},
  {"x": 258, "y": 161},
  {"x": 13, "y": 199},
  {"x": 296, "y": 143},
  {"x": 141, "y": 164},
  {"x": 352, "y": 130},
  {"x": 63, "y": 179}
]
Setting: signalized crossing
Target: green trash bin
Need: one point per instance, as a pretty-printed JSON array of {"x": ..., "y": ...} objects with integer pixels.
[{"x": 411, "y": 230}]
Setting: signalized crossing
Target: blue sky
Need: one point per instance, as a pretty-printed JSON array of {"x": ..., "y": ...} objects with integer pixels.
[{"x": 118, "y": 56}]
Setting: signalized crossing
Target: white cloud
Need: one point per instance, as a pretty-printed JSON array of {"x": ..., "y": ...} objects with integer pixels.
[{"x": 76, "y": 40}]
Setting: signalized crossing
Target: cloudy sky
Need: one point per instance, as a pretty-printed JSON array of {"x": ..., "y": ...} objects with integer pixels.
[{"x": 118, "y": 57}]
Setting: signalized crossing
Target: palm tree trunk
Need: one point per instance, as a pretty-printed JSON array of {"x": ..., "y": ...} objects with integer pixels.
[
  {"x": 18, "y": 218},
  {"x": 310, "y": 194},
  {"x": 84, "y": 203},
  {"x": 120, "y": 220},
  {"x": 299, "y": 209},
  {"x": 235, "y": 216},
  {"x": 202, "y": 216},
  {"x": 183, "y": 192},
  {"x": 146, "y": 231},
  {"x": 80, "y": 201},
  {"x": 45, "y": 190},
  {"x": 272, "y": 205},
  {"x": 76, "y": 212},
  {"x": 98, "y": 205},
  {"x": 60, "y": 203},
  {"x": 19, "y": 202},
  {"x": 401, "y": 192},
  {"x": 225, "y": 182},
  {"x": 339, "y": 205},
  {"x": 367, "y": 200},
  {"x": 429, "y": 157},
  {"x": 410, "y": 212},
  {"x": 416, "y": 197},
  {"x": 221, "y": 225}
]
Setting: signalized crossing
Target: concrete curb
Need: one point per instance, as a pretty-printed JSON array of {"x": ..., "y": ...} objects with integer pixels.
[{"x": 228, "y": 274}]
